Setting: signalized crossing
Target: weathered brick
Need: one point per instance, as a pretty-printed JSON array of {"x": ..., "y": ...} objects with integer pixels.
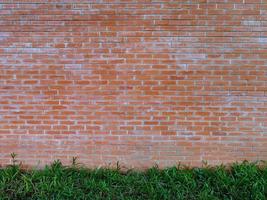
[{"x": 139, "y": 82}]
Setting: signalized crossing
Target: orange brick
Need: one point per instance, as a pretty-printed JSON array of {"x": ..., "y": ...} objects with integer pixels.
[{"x": 146, "y": 82}]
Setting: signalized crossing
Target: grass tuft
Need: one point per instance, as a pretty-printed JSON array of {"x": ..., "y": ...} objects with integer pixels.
[{"x": 239, "y": 182}]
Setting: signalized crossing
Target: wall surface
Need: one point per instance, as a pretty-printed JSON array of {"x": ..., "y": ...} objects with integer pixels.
[{"x": 135, "y": 81}]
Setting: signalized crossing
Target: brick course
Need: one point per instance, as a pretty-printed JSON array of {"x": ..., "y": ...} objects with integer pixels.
[{"x": 135, "y": 81}]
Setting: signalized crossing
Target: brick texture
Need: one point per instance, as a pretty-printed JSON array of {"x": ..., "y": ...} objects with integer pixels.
[{"x": 141, "y": 82}]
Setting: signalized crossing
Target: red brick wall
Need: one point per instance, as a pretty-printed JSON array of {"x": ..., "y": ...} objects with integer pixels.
[{"x": 135, "y": 81}]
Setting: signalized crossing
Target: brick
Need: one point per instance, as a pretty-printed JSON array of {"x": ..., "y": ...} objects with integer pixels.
[{"x": 143, "y": 82}]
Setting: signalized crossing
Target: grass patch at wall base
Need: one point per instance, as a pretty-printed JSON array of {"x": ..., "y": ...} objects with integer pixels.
[{"x": 240, "y": 181}]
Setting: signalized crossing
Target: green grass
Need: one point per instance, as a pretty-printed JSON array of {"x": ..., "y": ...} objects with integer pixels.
[{"x": 240, "y": 181}]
